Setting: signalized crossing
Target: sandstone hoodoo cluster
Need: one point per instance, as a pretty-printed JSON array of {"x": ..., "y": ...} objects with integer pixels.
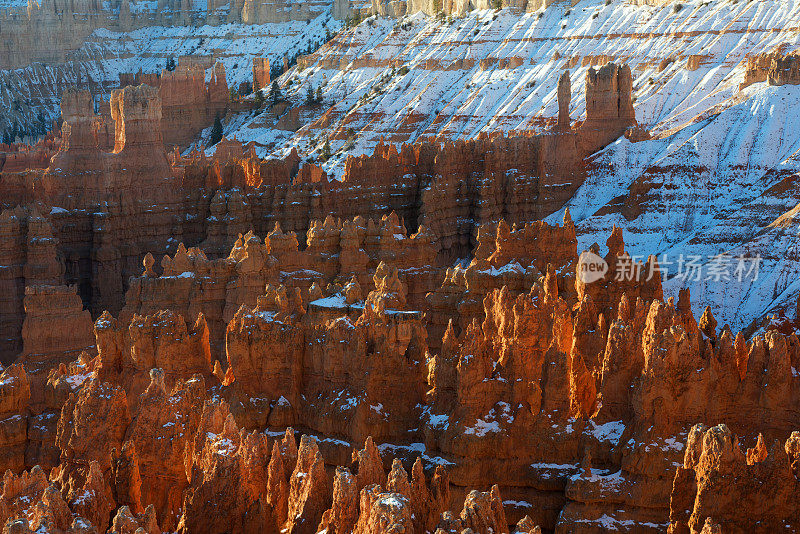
[
  {"x": 578, "y": 405},
  {"x": 226, "y": 344}
]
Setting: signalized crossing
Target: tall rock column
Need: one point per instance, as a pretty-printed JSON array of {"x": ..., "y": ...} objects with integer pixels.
[
  {"x": 77, "y": 112},
  {"x": 260, "y": 73},
  {"x": 609, "y": 107},
  {"x": 137, "y": 114},
  {"x": 79, "y": 164},
  {"x": 12, "y": 281},
  {"x": 564, "y": 100}
]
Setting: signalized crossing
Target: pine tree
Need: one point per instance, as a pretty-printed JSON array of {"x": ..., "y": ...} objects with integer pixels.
[
  {"x": 310, "y": 95},
  {"x": 326, "y": 151},
  {"x": 259, "y": 100},
  {"x": 171, "y": 64},
  {"x": 41, "y": 124},
  {"x": 275, "y": 95},
  {"x": 216, "y": 132},
  {"x": 318, "y": 98}
]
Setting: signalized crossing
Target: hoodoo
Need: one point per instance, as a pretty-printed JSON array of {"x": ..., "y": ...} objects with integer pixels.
[{"x": 401, "y": 267}]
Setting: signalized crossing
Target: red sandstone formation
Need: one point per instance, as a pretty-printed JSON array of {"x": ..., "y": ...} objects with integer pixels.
[
  {"x": 41, "y": 319},
  {"x": 609, "y": 107},
  {"x": 721, "y": 485},
  {"x": 776, "y": 68},
  {"x": 18, "y": 157},
  {"x": 55, "y": 325},
  {"x": 15, "y": 396},
  {"x": 335, "y": 252},
  {"x": 505, "y": 371},
  {"x": 104, "y": 235},
  {"x": 81, "y": 170},
  {"x": 188, "y": 103},
  {"x": 164, "y": 438},
  {"x": 261, "y": 73}
]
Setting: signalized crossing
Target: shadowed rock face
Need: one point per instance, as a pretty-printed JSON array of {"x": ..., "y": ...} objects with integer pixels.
[
  {"x": 188, "y": 103},
  {"x": 136, "y": 166}
]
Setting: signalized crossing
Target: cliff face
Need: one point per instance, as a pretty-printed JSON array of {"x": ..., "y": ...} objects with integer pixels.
[
  {"x": 55, "y": 324},
  {"x": 776, "y": 67},
  {"x": 50, "y": 31},
  {"x": 188, "y": 103},
  {"x": 609, "y": 108},
  {"x": 127, "y": 181},
  {"x": 137, "y": 161},
  {"x": 40, "y": 317}
]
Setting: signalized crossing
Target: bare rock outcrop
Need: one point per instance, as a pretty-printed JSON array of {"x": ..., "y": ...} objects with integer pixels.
[
  {"x": 776, "y": 67},
  {"x": 609, "y": 106},
  {"x": 188, "y": 102},
  {"x": 56, "y": 327},
  {"x": 721, "y": 488},
  {"x": 228, "y": 471},
  {"x": 15, "y": 397}
]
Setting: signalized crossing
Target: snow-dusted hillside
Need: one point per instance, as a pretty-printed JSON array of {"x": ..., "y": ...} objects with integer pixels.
[
  {"x": 105, "y": 54},
  {"x": 497, "y": 71},
  {"x": 721, "y": 186}
]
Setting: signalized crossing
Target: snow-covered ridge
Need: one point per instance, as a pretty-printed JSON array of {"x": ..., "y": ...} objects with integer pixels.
[
  {"x": 106, "y": 54},
  {"x": 497, "y": 71}
]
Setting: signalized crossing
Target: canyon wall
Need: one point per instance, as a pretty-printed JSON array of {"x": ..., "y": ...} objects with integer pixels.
[
  {"x": 189, "y": 104},
  {"x": 48, "y": 32},
  {"x": 115, "y": 206}
]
